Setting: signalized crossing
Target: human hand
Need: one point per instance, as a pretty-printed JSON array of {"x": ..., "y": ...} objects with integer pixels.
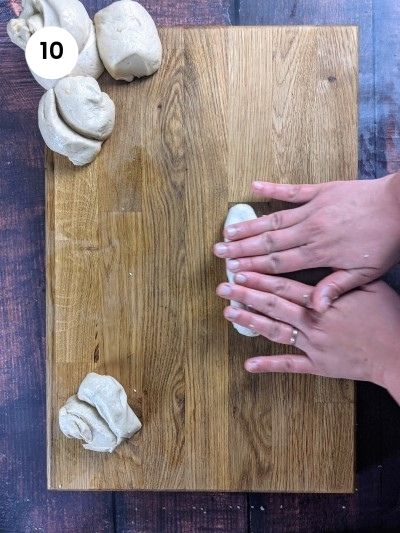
[
  {"x": 356, "y": 338},
  {"x": 350, "y": 226}
]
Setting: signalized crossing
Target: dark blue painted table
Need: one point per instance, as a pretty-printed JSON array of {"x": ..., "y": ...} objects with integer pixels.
[{"x": 25, "y": 504}]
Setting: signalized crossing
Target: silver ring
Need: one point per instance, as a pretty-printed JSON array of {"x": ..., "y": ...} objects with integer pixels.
[{"x": 294, "y": 336}]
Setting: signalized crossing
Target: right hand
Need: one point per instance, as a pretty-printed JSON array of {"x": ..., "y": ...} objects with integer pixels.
[
  {"x": 352, "y": 227},
  {"x": 357, "y": 338}
]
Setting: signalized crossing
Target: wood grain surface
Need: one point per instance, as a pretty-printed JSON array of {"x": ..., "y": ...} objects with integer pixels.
[
  {"x": 335, "y": 12},
  {"x": 131, "y": 277}
]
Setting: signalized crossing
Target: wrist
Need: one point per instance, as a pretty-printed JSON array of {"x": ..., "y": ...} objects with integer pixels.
[
  {"x": 390, "y": 380},
  {"x": 390, "y": 204},
  {"x": 395, "y": 393}
]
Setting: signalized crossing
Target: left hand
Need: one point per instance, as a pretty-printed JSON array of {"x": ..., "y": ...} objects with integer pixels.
[{"x": 356, "y": 338}]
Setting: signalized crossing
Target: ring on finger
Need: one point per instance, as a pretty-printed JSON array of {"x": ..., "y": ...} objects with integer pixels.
[{"x": 293, "y": 338}]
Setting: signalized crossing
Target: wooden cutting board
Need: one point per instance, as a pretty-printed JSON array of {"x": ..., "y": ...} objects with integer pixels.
[{"x": 131, "y": 277}]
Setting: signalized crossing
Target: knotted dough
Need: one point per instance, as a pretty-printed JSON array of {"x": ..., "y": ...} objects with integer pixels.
[
  {"x": 108, "y": 396},
  {"x": 75, "y": 118},
  {"x": 99, "y": 414},
  {"x": 68, "y": 14},
  {"x": 78, "y": 420}
]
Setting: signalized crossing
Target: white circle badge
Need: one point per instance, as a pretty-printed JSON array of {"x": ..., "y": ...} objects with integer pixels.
[{"x": 52, "y": 53}]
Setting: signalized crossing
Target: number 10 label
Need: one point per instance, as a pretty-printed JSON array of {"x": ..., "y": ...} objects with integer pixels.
[{"x": 51, "y": 53}]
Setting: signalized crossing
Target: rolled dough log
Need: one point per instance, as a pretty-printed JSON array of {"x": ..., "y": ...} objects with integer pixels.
[{"x": 239, "y": 213}]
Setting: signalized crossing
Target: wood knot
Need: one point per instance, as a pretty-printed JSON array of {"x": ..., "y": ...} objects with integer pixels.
[{"x": 96, "y": 354}]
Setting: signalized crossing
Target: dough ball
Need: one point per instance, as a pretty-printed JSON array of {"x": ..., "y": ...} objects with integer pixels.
[
  {"x": 108, "y": 396},
  {"x": 61, "y": 138},
  {"x": 79, "y": 420},
  {"x": 128, "y": 40},
  {"x": 84, "y": 108}
]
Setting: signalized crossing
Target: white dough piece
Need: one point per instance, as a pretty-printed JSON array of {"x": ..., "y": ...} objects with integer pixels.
[
  {"x": 84, "y": 108},
  {"x": 61, "y": 138},
  {"x": 68, "y": 14},
  {"x": 80, "y": 420},
  {"x": 239, "y": 213},
  {"x": 128, "y": 40},
  {"x": 89, "y": 62},
  {"x": 108, "y": 396},
  {"x": 19, "y": 32}
]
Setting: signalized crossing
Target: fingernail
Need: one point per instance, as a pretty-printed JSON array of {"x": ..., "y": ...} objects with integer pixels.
[
  {"x": 240, "y": 278},
  {"x": 257, "y": 185},
  {"x": 230, "y": 231},
  {"x": 252, "y": 365},
  {"x": 221, "y": 249},
  {"x": 325, "y": 300},
  {"x": 232, "y": 313},
  {"x": 332, "y": 291},
  {"x": 233, "y": 265},
  {"x": 224, "y": 290}
]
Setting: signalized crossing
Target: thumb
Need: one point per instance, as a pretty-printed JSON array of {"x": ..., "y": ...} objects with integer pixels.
[{"x": 334, "y": 285}]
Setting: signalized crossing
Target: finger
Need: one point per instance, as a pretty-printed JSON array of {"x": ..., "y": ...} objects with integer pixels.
[
  {"x": 272, "y": 222},
  {"x": 292, "y": 364},
  {"x": 294, "y": 193},
  {"x": 268, "y": 304},
  {"x": 294, "y": 291},
  {"x": 265, "y": 243},
  {"x": 336, "y": 284},
  {"x": 267, "y": 327},
  {"x": 278, "y": 263}
]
